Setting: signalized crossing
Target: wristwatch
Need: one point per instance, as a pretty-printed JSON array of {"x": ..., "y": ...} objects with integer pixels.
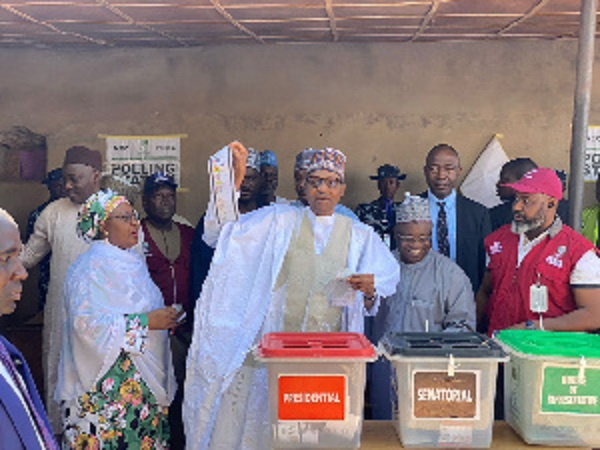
[{"x": 530, "y": 325}]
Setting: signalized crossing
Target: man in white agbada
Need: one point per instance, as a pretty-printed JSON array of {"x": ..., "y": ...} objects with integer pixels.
[
  {"x": 55, "y": 230},
  {"x": 270, "y": 273}
]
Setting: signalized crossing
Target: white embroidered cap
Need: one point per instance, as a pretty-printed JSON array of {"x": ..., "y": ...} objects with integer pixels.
[{"x": 413, "y": 209}]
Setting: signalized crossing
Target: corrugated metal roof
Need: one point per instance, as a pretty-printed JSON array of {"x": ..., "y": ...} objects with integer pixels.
[{"x": 181, "y": 23}]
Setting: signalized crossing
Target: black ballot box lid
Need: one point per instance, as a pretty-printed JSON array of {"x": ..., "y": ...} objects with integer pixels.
[{"x": 457, "y": 344}]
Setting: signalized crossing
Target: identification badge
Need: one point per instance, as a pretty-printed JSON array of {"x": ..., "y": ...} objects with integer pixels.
[{"x": 538, "y": 298}]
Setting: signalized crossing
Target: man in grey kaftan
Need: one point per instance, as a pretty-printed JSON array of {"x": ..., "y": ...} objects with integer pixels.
[{"x": 433, "y": 294}]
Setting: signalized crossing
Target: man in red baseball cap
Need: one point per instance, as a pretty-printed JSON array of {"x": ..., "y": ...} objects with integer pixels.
[{"x": 541, "y": 274}]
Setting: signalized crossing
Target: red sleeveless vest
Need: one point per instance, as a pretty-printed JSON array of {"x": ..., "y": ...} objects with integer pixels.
[{"x": 551, "y": 261}]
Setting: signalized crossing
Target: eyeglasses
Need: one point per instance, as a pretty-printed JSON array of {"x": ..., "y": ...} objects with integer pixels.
[
  {"x": 414, "y": 240},
  {"x": 127, "y": 218},
  {"x": 330, "y": 183}
]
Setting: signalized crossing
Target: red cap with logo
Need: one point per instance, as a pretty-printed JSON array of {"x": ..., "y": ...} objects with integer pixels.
[{"x": 541, "y": 180}]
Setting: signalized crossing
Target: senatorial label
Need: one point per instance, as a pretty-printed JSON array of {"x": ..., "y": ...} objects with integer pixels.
[{"x": 438, "y": 396}]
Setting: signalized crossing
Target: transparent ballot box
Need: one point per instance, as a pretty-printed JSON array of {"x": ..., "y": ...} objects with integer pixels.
[
  {"x": 445, "y": 387},
  {"x": 552, "y": 386},
  {"x": 316, "y": 388}
]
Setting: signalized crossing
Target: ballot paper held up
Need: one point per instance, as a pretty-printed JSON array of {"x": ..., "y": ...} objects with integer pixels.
[{"x": 222, "y": 186}]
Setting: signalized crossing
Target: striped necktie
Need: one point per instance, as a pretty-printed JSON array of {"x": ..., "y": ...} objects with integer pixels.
[
  {"x": 442, "y": 231},
  {"x": 46, "y": 434}
]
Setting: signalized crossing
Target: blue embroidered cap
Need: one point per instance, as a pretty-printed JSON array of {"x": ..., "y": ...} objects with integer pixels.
[
  {"x": 303, "y": 158},
  {"x": 268, "y": 158}
]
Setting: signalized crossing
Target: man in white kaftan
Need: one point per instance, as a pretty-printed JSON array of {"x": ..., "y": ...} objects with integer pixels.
[
  {"x": 269, "y": 273},
  {"x": 55, "y": 230}
]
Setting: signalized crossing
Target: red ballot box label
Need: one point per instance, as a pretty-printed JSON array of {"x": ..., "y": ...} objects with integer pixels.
[{"x": 312, "y": 397}]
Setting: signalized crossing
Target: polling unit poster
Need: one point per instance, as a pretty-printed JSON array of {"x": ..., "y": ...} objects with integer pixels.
[
  {"x": 133, "y": 158},
  {"x": 591, "y": 166}
]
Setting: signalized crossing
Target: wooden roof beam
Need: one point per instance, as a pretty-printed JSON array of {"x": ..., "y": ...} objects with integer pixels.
[
  {"x": 332, "y": 20},
  {"x": 51, "y": 27},
  {"x": 532, "y": 12},
  {"x": 221, "y": 10},
  {"x": 426, "y": 20},
  {"x": 128, "y": 19}
]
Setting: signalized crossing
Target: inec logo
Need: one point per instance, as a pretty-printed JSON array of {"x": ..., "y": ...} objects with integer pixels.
[
  {"x": 556, "y": 259},
  {"x": 495, "y": 248}
]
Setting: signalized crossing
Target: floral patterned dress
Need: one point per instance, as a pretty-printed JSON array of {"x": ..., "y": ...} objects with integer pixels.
[{"x": 120, "y": 412}]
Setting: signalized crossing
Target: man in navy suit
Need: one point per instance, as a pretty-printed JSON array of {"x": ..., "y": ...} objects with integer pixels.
[
  {"x": 459, "y": 224},
  {"x": 23, "y": 421}
]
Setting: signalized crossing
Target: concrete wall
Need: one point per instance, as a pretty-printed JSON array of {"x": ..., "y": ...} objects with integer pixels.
[{"x": 379, "y": 103}]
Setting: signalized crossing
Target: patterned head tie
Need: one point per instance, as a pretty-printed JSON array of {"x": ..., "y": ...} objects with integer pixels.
[
  {"x": 327, "y": 159},
  {"x": 413, "y": 209},
  {"x": 303, "y": 159},
  {"x": 253, "y": 161},
  {"x": 94, "y": 213}
]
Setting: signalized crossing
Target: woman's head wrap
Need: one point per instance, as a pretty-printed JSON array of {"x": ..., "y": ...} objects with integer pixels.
[{"x": 95, "y": 211}]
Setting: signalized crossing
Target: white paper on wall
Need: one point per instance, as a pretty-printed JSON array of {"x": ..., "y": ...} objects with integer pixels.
[
  {"x": 480, "y": 182},
  {"x": 591, "y": 167}
]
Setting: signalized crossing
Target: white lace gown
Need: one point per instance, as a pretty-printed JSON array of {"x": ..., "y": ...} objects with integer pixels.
[
  {"x": 103, "y": 287},
  {"x": 56, "y": 230}
]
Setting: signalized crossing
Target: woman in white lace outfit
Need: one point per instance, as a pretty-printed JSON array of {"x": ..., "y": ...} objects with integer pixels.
[{"x": 115, "y": 378}]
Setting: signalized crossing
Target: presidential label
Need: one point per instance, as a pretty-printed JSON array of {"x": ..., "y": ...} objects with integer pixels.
[
  {"x": 570, "y": 390},
  {"x": 436, "y": 395},
  {"x": 312, "y": 397}
]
